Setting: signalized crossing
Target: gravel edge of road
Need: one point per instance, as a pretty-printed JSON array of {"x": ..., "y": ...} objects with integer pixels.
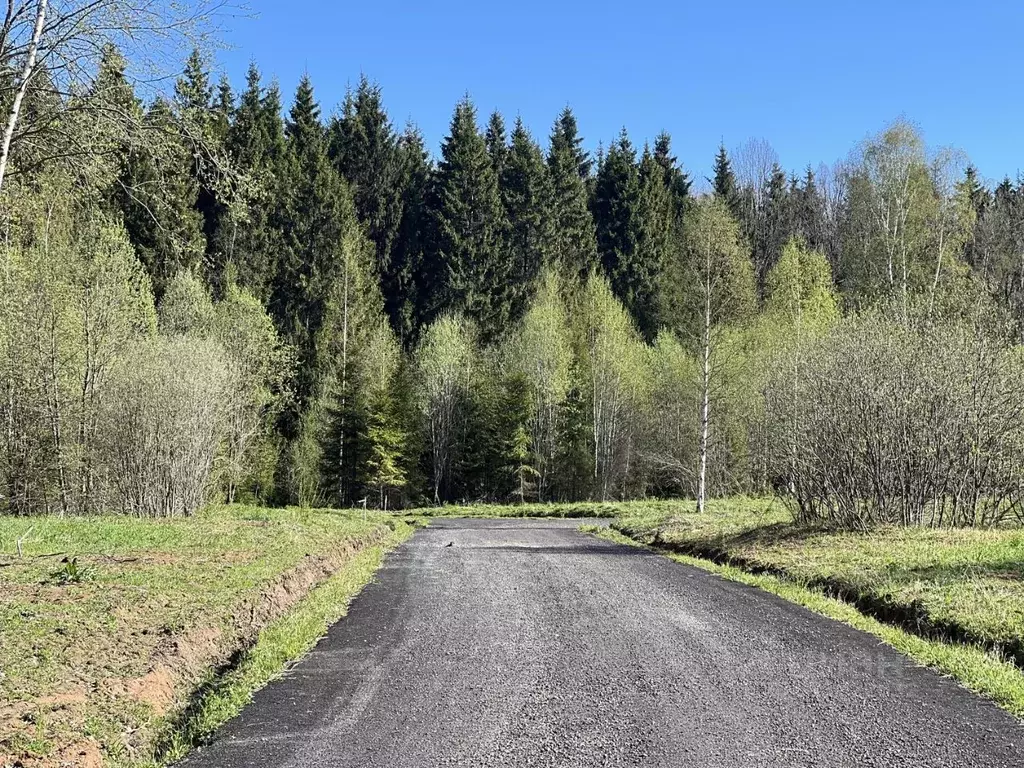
[{"x": 972, "y": 667}]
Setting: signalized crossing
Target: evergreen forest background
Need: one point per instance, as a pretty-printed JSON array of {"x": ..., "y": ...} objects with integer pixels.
[{"x": 238, "y": 296}]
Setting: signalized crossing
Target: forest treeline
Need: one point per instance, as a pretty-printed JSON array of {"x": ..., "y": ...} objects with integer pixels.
[{"x": 214, "y": 295}]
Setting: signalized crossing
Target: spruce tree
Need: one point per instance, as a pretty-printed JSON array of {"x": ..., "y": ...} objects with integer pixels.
[
  {"x": 631, "y": 214},
  {"x": 525, "y": 196},
  {"x": 357, "y": 357},
  {"x": 327, "y": 297},
  {"x": 980, "y": 200},
  {"x": 809, "y": 212},
  {"x": 273, "y": 124},
  {"x": 365, "y": 150},
  {"x": 496, "y": 140},
  {"x": 303, "y": 129},
  {"x": 159, "y": 200},
  {"x": 193, "y": 97},
  {"x": 573, "y": 247},
  {"x": 247, "y": 242},
  {"x": 616, "y": 198},
  {"x": 223, "y": 110},
  {"x": 114, "y": 89},
  {"x": 405, "y": 302},
  {"x": 675, "y": 179},
  {"x": 724, "y": 183},
  {"x": 467, "y": 268},
  {"x": 565, "y": 137},
  {"x": 655, "y": 225},
  {"x": 499, "y": 463},
  {"x": 774, "y": 226},
  {"x": 193, "y": 93},
  {"x": 316, "y": 213},
  {"x": 976, "y": 191}
]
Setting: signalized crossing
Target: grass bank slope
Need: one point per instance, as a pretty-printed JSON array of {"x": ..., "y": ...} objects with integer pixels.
[{"x": 123, "y": 641}]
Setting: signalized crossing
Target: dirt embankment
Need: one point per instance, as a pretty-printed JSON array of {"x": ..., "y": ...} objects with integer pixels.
[{"x": 176, "y": 667}]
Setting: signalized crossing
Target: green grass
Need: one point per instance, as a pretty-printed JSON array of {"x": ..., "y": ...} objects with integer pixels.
[
  {"x": 975, "y": 667},
  {"x": 94, "y": 607}
]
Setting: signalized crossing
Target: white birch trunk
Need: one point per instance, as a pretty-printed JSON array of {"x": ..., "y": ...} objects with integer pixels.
[
  {"x": 705, "y": 386},
  {"x": 26, "y": 75}
]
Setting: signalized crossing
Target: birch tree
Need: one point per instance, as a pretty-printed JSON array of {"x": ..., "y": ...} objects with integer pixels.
[
  {"x": 55, "y": 47},
  {"x": 616, "y": 376},
  {"x": 75, "y": 301},
  {"x": 890, "y": 196},
  {"x": 717, "y": 288},
  {"x": 952, "y": 218},
  {"x": 543, "y": 354},
  {"x": 801, "y": 306},
  {"x": 259, "y": 365},
  {"x": 445, "y": 364},
  {"x": 672, "y": 448}
]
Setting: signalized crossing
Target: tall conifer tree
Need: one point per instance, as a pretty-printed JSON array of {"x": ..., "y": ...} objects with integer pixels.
[
  {"x": 774, "y": 225},
  {"x": 525, "y": 197},
  {"x": 406, "y": 302},
  {"x": 809, "y": 212},
  {"x": 676, "y": 180},
  {"x": 725, "y": 185},
  {"x": 194, "y": 99},
  {"x": 365, "y": 150},
  {"x": 629, "y": 216},
  {"x": 158, "y": 197},
  {"x": 496, "y": 139},
  {"x": 654, "y": 225},
  {"x": 465, "y": 262},
  {"x": 223, "y": 109},
  {"x": 316, "y": 214},
  {"x": 573, "y": 244},
  {"x": 246, "y": 241}
]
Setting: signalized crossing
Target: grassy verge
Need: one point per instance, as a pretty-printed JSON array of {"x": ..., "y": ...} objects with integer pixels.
[
  {"x": 973, "y": 666},
  {"x": 964, "y": 585},
  {"x": 125, "y": 640}
]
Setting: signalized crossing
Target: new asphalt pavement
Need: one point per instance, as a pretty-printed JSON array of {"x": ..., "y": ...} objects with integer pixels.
[{"x": 526, "y": 643}]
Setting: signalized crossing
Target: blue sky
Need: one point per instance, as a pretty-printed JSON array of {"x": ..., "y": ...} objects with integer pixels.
[{"x": 812, "y": 78}]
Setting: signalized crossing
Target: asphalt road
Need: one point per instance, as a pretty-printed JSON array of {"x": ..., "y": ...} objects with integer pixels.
[{"x": 525, "y": 643}]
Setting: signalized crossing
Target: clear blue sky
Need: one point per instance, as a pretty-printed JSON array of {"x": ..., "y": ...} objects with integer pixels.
[{"x": 812, "y": 77}]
